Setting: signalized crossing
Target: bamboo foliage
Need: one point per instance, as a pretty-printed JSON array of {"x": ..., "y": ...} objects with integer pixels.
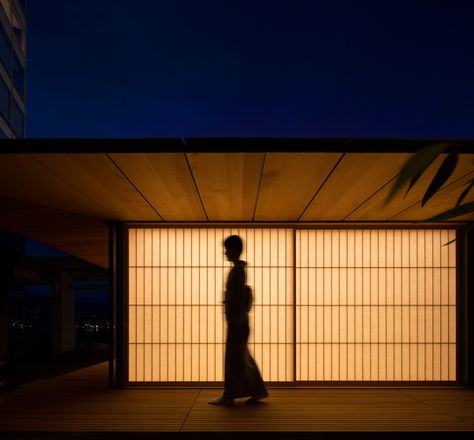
[{"x": 418, "y": 163}]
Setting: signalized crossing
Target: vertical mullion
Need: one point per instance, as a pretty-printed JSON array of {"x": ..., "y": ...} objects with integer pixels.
[
  {"x": 370, "y": 303},
  {"x": 432, "y": 305},
  {"x": 191, "y": 299},
  {"x": 308, "y": 296},
  {"x": 285, "y": 306},
  {"x": 401, "y": 306},
  {"x": 393, "y": 301},
  {"x": 253, "y": 265},
  {"x": 409, "y": 306},
  {"x": 324, "y": 310},
  {"x": 449, "y": 309},
  {"x": 417, "y": 307},
  {"x": 440, "y": 314},
  {"x": 152, "y": 303},
  {"x": 347, "y": 304},
  {"x": 143, "y": 307},
  {"x": 184, "y": 302},
  {"x": 378, "y": 304},
  {"x": 199, "y": 304},
  {"x": 278, "y": 302},
  {"x": 386, "y": 307},
  {"x": 207, "y": 305},
  {"x": 295, "y": 304},
  {"x": 362, "y": 304},
  {"x": 270, "y": 347},
  {"x": 215, "y": 302},
  {"x": 161, "y": 305},
  {"x": 176, "y": 302},
  {"x": 339, "y": 302},
  {"x": 167, "y": 304},
  {"x": 425, "y": 307},
  {"x": 254, "y": 279},
  {"x": 355, "y": 306},
  {"x": 330, "y": 306}
]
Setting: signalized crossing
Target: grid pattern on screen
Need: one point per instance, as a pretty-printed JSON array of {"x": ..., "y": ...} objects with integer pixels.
[
  {"x": 176, "y": 288},
  {"x": 375, "y": 305}
]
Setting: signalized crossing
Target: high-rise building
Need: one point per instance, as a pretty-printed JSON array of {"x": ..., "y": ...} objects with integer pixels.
[{"x": 12, "y": 68}]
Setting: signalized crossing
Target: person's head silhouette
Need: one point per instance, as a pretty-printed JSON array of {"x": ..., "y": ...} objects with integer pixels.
[{"x": 233, "y": 247}]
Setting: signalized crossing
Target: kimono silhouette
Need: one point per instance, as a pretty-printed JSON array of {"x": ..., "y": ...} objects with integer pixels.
[{"x": 241, "y": 375}]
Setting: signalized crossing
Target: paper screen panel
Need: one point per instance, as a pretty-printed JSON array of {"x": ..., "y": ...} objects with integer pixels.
[
  {"x": 375, "y": 305},
  {"x": 176, "y": 288}
]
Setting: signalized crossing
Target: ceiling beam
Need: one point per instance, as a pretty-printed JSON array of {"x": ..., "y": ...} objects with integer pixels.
[{"x": 223, "y": 144}]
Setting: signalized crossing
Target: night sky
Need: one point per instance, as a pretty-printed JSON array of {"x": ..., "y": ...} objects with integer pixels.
[{"x": 157, "y": 68}]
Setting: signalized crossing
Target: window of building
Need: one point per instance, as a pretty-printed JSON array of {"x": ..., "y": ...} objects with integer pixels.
[
  {"x": 5, "y": 48},
  {"x": 18, "y": 75},
  {"x": 18, "y": 31},
  {"x": 330, "y": 305},
  {"x": 17, "y": 119},
  {"x": 22, "y": 4},
  {"x": 4, "y": 99}
]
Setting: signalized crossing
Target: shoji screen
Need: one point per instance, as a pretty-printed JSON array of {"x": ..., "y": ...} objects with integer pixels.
[
  {"x": 176, "y": 288},
  {"x": 375, "y": 305}
]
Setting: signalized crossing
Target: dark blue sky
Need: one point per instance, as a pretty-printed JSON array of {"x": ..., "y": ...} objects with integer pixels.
[{"x": 155, "y": 68}]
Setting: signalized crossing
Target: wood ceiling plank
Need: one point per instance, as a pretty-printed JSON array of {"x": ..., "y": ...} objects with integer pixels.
[
  {"x": 164, "y": 179},
  {"x": 24, "y": 178},
  {"x": 7, "y": 204},
  {"x": 374, "y": 209},
  {"x": 98, "y": 260},
  {"x": 86, "y": 249},
  {"x": 354, "y": 180},
  {"x": 289, "y": 182},
  {"x": 66, "y": 231},
  {"x": 228, "y": 183},
  {"x": 96, "y": 176},
  {"x": 44, "y": 219}
]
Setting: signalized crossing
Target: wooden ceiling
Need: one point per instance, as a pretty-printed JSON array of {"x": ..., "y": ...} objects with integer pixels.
[{"x": 65, "y": 199}]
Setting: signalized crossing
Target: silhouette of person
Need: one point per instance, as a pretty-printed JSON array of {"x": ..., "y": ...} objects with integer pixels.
[{"x": 241, "y": 375}]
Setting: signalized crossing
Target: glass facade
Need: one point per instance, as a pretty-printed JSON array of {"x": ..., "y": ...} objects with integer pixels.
[
  {"x": 17, "y": 119},
  {"x": 18, "y": 75},
  {"x": 13, "y": 78},
  {"x": 5, "y": 48},
  {"x": 4, "y": 99}
]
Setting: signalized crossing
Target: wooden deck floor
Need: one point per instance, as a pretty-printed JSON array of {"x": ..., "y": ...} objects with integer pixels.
[{"x": 80, "y": 402}]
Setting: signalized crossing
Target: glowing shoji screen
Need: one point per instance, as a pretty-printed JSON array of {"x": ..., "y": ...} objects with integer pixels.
[
  {"x": 375, "y": 305},
  {"x": 176, "y": 315}
]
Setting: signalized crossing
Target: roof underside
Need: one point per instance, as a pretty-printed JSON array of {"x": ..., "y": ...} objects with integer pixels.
[{"x": 64, "y": 199}]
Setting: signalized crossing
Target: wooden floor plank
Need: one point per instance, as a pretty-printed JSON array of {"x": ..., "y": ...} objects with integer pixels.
[{"x": 80, "y": 401}]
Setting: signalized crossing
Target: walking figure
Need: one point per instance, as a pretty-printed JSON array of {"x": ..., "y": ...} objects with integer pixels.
[{"x": 241, "y": 375}]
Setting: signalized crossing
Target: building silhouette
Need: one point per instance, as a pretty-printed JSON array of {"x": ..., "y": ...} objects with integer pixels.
[{"x": 12, "y": 68}]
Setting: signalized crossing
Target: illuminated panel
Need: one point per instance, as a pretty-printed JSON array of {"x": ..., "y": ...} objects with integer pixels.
[
  {"x": 176, "y": 316},
  {"x": 375, "y": 305}
]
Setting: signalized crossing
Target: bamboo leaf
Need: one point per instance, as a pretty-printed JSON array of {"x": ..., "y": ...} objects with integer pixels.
[
  {"x": 464, "y": 193},
  {"x": 443, "y": 174},
  {"x": 452, "y": 213},
  {"x": 413, "y": 180},
  {"x": 449, "y": 242},
  {"x": 416, "y": 165}
]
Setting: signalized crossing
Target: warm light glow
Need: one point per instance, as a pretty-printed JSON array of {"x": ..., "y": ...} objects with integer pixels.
[
  {"x": 370, "y": 304},
  {"x": 375, "y": 305},
  {"x": 176, "y": 288}
]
